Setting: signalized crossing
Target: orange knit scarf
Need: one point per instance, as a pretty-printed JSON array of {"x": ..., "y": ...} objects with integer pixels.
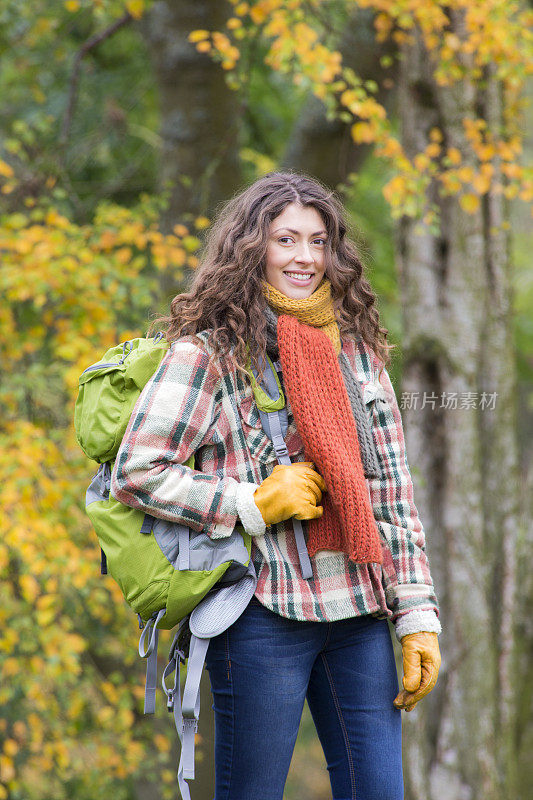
[{"x": 325, "y": 422}]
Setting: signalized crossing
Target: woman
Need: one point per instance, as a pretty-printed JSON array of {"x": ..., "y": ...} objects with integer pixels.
[{"x": 280, "y": 277}]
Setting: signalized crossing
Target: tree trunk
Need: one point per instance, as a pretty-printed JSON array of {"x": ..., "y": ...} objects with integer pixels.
[
  {"x": 200, "y": 116},
  {"x": 458, "y": 338},
  {"x": 199, "y": 161}
]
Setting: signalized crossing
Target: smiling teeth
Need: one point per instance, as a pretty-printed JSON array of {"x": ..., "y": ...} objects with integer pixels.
[{"x": 298, "y": 276}]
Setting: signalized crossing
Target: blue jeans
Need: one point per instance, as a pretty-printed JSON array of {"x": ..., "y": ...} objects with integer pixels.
[{"x": 262, "y": 669}]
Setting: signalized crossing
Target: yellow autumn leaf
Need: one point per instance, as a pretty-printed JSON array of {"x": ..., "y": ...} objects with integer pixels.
[
  {"x": 481, "y": 183},
  {"x": 62, "y": 755},
  {"x": 362, "y": 132},
  {"x": 191, "y": 243},
  {"x": 45, "y": 618},
  {"x": 30, "y": 587},
  {"x": 162, "y": 743},
  {"x": 176, "y": 257},
  {"x": 485, "y": 151},
  {"x": 7, "y": 769},
  {"x": 123, "y": 255},
  {"x": 454, "y": 155},
  {"x": 5, "y": 170},
  {"x": 383, "y": 25},
  {"x": 220, "y": 40},
  {"x": 136, "y": 8},
  {"x": 105, "y": 714},
  {"x": 11, "y": 747},
  {"x": 258, "y": 14},
  {"x": 421, "y": 161},
  {"x": 10, "y": 667},
  {"x": 391, "y": 148},
  {"x": 469, "y": 202},
  {"x": 180, "y": 230},
  {"x": 433, "y": 150},
  {"x": 233, "y": 23},
  {"x": 395, "y": 190},
  {"x": 72, "y": 5},
  {"x": 109, "y": 691},
  {"x": 512, "y": 170},
  {"x": 198, "y": 36},
  {"x": 465, "y": 174}
]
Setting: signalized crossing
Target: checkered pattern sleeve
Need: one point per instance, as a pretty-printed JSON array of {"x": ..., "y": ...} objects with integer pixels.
[
  {"x": 174, "y": 416},
  {"x": 406, "y": 576}
]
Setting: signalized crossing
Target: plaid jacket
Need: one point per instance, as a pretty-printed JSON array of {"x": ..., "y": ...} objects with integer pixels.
[{"x": 194, "y": 405}]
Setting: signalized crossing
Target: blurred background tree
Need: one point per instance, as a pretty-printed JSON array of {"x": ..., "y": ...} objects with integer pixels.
[{"x": 124, "y": 125}]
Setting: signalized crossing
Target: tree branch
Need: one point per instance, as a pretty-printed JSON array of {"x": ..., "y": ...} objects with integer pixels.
[{"x": 90, "y": 44}]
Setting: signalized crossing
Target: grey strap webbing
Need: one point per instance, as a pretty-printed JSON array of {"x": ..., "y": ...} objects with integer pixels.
[
  {"x": 276, "y": 422},
  {"x": 186, "y": 711},
  {"x": 150, "y": 654},
  {"x": 183, "y": 547},
  {"x": 283, "y": 457}
]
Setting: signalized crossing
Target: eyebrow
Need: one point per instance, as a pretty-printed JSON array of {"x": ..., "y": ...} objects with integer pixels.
[{"x": 291, "y": 230}]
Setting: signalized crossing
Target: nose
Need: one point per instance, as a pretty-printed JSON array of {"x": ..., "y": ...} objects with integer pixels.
[{"x": 304, "y": 255}]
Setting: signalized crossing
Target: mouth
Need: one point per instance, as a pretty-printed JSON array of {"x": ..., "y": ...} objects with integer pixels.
[{"x": 299, "y": 278}]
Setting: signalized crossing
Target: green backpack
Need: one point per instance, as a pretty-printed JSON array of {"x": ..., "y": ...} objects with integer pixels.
[{"x": 167, "y": 573}]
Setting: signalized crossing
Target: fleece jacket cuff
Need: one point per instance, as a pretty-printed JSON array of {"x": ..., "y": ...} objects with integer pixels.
[
  {"x": 247, "y": 510},
  {"x": 416, "y": 622}
]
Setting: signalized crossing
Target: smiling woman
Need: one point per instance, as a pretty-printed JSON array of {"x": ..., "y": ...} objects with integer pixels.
[
  {"x": 281, "y": 279},
  {"x": 295, "y": 262}
]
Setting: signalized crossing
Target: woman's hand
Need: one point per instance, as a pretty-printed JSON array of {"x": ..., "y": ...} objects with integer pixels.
[
  {"x": 421, "y": 663},
  {"x": 292, "y": 490}
]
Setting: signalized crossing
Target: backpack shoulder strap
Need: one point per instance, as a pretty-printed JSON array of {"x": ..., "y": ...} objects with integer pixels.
[{"x": 275, "y": 423}]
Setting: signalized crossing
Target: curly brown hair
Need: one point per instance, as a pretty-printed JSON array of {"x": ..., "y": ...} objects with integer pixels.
[{"x": 226, "y": 296}]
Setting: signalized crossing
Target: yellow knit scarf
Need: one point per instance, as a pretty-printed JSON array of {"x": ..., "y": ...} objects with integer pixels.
[{"x": 316, "y": 310}]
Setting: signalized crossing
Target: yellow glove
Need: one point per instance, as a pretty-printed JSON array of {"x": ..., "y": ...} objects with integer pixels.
[
  {"x": 292, "y": 490},
  {"x": 421, "y": 663}
]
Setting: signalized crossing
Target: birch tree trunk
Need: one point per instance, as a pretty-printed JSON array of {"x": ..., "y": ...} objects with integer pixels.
[{"x": 455, "y": 291}]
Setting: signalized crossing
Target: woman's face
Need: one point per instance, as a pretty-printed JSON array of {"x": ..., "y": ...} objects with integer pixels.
[{"x": 295, "y": 251}]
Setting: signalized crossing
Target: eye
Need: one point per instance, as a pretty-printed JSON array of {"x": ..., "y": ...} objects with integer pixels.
[{"x": 289, "y": 238}]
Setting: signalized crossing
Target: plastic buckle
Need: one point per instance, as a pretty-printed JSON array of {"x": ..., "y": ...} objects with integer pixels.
[
  {"x": 190, "y": 722},
  {"x": 280, "y": 447},
  {"x": 170, "y": 700},
  {"x": 176, "y": 653}
]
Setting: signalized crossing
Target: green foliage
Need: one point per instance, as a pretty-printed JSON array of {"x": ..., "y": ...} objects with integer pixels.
[
  {"x": 70, "y": 678},
  {"x": 112, "y": 145}
]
